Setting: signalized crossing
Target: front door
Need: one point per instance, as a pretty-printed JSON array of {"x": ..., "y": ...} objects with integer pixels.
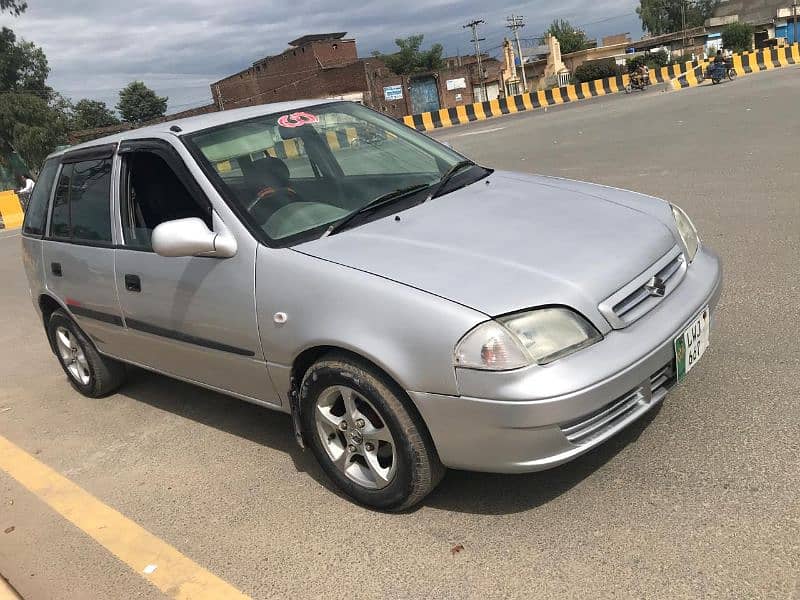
[{"x": 191, "y": 317}]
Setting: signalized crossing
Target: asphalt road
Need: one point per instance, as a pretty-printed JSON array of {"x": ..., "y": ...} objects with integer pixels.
[{"x": 702, "y": 499}]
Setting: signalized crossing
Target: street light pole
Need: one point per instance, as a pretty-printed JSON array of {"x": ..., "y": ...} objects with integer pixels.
[
  {"x": 477, "y": 41},
  {"x": 794, "y": 14},
  {"x": 515, "y": 24}
]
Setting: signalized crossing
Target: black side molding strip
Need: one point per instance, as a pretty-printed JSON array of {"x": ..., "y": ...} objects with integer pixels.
[
  {"x": 183, "y": 337},
  {"x": 95, "y": 314}
]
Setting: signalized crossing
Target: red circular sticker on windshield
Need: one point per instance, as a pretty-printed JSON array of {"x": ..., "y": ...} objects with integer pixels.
[{"x": 297, "y": 119}]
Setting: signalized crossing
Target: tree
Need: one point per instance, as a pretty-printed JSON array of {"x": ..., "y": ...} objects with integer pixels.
[
  {"x": 666, "y": 16},
  {"x": 92, "y": 114},
  {"x": 738, "y": 37},
  {"x": 570, "y": 39},
  {"x": 138, "y": 103},
  {"x": 23, "y": 65},
  {"x": 33, "y": 118},
  {"x": 15, "y": 7},
  {"x": 410, "y": 59}
]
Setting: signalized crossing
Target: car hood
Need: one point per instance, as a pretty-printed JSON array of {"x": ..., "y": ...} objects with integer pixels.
[{"x": 511, "y": 242}]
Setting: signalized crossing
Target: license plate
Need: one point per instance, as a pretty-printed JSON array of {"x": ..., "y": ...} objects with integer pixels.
[{"x": 691, "y": 344}]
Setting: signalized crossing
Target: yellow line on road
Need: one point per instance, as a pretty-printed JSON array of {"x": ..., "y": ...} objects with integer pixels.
[{"x": 155, "y": 560}]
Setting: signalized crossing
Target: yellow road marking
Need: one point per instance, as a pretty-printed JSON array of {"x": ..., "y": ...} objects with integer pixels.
[{"x": 175, "y": 575}]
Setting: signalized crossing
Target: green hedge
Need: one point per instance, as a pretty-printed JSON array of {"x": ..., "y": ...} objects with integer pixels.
[
  {"x": 596, "y": 69},
  {"x": 654, "y": 60}
]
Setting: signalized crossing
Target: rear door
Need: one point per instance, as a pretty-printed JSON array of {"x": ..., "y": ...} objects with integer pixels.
[{"x": 78, "y": 250}]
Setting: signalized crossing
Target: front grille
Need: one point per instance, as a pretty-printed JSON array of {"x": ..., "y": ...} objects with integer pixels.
[
  {"x": 589, "y": 427},
  {"x": 637, "y": 299}
]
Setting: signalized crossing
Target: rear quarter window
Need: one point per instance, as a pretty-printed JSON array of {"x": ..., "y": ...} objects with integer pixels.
[{"x": 36, "y": 215}]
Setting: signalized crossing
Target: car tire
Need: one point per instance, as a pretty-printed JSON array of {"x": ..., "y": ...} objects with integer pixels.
[
  {"x": 90, "y": 373},
  {"x": 392, "y": 464}
]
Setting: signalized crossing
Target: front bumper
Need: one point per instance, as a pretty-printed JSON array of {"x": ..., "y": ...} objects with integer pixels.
[{"x": 543, "y": 416}]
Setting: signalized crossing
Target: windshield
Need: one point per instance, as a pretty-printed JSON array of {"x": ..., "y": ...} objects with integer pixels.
[{"x": 294, "y": 174}]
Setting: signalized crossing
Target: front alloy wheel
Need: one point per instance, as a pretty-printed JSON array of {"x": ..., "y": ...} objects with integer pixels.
[
  {"x": 355, "y": 438},
  {"x": 366, "y": 433}
]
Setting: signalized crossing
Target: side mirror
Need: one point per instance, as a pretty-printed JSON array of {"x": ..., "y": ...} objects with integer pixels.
[{"x": 191, "y": 237}]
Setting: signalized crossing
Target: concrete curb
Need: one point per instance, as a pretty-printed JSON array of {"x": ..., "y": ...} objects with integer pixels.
[
  {"x": 677, "y": 76},
  {"x": 479, "y": 111},
  {"x": 10, "y": 210}
]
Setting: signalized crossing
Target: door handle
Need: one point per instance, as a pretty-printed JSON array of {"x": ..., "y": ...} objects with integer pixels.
[
  {"x": 55, "y": 269},
  {"x": 133, "y": 283}
]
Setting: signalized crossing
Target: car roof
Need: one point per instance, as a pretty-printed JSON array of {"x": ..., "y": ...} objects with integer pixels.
[{"x": 197, "y": 123}]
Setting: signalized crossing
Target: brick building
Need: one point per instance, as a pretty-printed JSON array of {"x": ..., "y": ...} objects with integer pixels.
[{"x": 326, "y": 65}]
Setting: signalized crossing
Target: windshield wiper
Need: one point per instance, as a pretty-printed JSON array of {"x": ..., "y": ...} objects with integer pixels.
[
  {"x": 373, "y": 204},
  {"x": 448, "y": 175}
]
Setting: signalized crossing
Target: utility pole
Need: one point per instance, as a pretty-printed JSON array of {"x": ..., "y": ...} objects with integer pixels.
[
  {"x": 683, "y": 23},
  {"x": 477, "y": 41},
  {"x": 515, "y": 24},
  {"x": 794, "y": 14}
]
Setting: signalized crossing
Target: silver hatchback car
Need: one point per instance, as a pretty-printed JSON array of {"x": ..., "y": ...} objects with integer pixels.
[{"x": 411, "y": 310}]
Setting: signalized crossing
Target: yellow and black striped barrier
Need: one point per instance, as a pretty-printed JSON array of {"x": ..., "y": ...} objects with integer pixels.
[
  {"x": 10, "y": 210},
  {"x": 746, "y": 62},
  {"x": 679, "y": 75},
  {"x": 478, "y": 111}
]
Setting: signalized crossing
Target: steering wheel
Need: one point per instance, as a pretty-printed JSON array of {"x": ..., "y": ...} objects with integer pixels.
[{"x": 269, "y": 200}]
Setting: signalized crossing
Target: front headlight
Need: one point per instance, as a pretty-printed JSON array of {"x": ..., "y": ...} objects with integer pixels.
[
  {"x": 541, "y": 336},
  {"x": 687, "y": 231}
]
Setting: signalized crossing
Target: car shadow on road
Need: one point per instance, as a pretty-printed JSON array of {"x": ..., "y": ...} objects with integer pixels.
[{"x": 459, "y": 491}]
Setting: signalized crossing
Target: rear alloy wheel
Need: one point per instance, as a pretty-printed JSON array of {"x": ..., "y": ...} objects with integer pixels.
[
  {"x": 89, "y": 372},
  {"x": 366, "y": 436}
]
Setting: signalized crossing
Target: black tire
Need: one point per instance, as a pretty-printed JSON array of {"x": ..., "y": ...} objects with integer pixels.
[
  {"x": 105, "y": 375},
  {"x": 418, "y": 469},
  {"x": 731, "y": 74},
  {"x": 715, "y": 80}
]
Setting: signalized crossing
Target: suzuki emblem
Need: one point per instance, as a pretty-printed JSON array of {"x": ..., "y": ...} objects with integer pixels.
[{"x": 656, "y": 286}]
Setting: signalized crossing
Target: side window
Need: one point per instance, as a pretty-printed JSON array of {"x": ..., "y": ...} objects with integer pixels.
[
  {"x": 81, "y": 206},
  {"x": 89, "y": 201},
  {"x": 59, "y": 220},
  {"x": 36, "y": 215},
  {"x": 151, "y": 194}
]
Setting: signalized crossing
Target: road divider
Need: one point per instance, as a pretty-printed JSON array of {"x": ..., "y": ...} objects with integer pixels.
[
  {"x": 744, "y": 63},
  {"x": 678, "y": 76},
  {"x": 10, "y": 210},
  {"x": 479, "y": 111}
]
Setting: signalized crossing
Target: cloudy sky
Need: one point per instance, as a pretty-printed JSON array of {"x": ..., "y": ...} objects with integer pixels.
[{"x": 178, "y": 47}]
